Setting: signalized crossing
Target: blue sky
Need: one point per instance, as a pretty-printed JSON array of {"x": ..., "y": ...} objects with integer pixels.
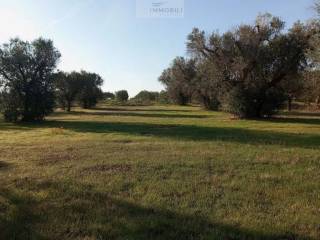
[{"x": 106, "y": 37}]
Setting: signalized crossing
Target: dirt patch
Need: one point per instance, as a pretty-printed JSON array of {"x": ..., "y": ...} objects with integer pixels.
[
  {"x": 54, "y": 158},
  {"x": 109, "y": 168},
  {"x": 25, "y": 182}
]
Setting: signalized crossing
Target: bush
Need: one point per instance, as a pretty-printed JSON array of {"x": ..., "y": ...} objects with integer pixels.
[
  {"x": 122, "y": 96},
  {"x": 147, "y": 96},
  {"x": 108, "y": 96},
  {"x": 246, "y": 104},
  {"x": 164, "y": 97}
]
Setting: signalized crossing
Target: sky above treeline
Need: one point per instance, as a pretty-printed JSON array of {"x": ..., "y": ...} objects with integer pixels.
[{"x": 130, "y": 51}]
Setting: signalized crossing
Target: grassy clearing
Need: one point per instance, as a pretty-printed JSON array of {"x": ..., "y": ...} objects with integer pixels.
[{"x": 160, "y": 173}]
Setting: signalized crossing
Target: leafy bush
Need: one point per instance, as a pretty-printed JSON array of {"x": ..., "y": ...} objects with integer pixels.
[
  {"x": 147, "y": 96},
  {"x": 122, "y": 96}
]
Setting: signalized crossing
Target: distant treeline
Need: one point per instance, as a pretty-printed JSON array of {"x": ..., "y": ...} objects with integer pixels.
[{"x": 144, "y": 97}]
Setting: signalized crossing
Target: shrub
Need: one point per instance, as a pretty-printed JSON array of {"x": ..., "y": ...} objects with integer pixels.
[{"x": 122, "y": 96}]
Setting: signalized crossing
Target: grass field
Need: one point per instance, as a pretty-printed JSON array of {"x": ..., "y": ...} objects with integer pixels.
[{"x": 160, "y": 173}]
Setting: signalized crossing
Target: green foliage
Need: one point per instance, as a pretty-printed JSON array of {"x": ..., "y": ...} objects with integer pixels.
[
  {"x": 108, "y": 96},
  {"x": 311, "y": 89},
  {"x": 146, "y": 97},
  {"x": 178, "y": 80},
  {"x": 90, "y": 91},
  {"x": 26, "y": 69},
  {"x": 244, "y": 104},
  {"x": 258, "y": 65},
  {"x": 122, "y": 96},
  {"x": 164, "y": 97},
  {"x": 10, "y": 104},
  {"x": 82, "y": 86},
  {"x": 68, "y": 86},
  {"x": 250, "y": 69},
  {"x": 207, "y": 85}
]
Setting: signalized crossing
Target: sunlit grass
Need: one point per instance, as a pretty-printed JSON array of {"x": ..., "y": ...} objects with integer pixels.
[{"x": 160, "y": 172}]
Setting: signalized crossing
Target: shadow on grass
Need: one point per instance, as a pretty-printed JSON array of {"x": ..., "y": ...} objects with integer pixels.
[
  {"x": 314, "y": 121},
  {"x": 4, "y": 165},
  {"x": 189, "y": 132},
  {"x": 132, "y": 109},
  {"x": 134, "y": 114},
  {"x": 76, "y": 211},
  {"x": 302, "y": 114},
  {"x": 17, "y": 217},
  {"x": 12, "y": 127}
]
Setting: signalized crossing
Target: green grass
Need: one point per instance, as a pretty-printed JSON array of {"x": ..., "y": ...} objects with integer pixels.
[{"x": 160, "y": 173}]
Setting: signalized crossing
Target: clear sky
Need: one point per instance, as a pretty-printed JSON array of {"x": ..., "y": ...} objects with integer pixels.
[{"x": 106, "y": 36}]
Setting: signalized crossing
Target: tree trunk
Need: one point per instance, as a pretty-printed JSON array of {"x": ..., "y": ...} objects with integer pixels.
[
  {"x": 206, "y": 102},
  {"x": 289, "y": 104},
  {"x": 69, "y": 106}
]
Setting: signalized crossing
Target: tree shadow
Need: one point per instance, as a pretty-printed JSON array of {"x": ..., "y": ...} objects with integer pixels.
[
  {"x": 133, "y": 114},
  {"x": 11, "y": 126},
  {"x": 78, "y": 211},
  {"x": 17, "y": 217},
  {"x": 131, "y": 109},
  {"x": 302, "y": 114},
  {"x": 4, "y": 165},
  {"x": 314, "y": 121},
  {"x": 190, "y": 132}
]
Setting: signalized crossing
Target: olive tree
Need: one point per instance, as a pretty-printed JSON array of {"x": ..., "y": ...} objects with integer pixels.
[
  {"x": 252, "y": 61},
  {"x": 178, "y": 80},
  {"x": 68, "y": 86},
  {"x": 26, "y": 75},
  {"x": 312, "y": 75},
  {"x": 207, "y": 85},
  {"x": 90, "y": 91}
]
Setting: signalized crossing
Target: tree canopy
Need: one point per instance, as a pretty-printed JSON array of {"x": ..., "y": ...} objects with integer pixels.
[
  {"x": 122, "y": 95},
  {"x": 249, "y": 71},
  {"x": 26, "y": 75},
  {"x": 90, "y": 91},
  {"x": 147, "y": 96},
  {"x": 178, "y": 79},
  {"x": 68, "y": 86}
]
